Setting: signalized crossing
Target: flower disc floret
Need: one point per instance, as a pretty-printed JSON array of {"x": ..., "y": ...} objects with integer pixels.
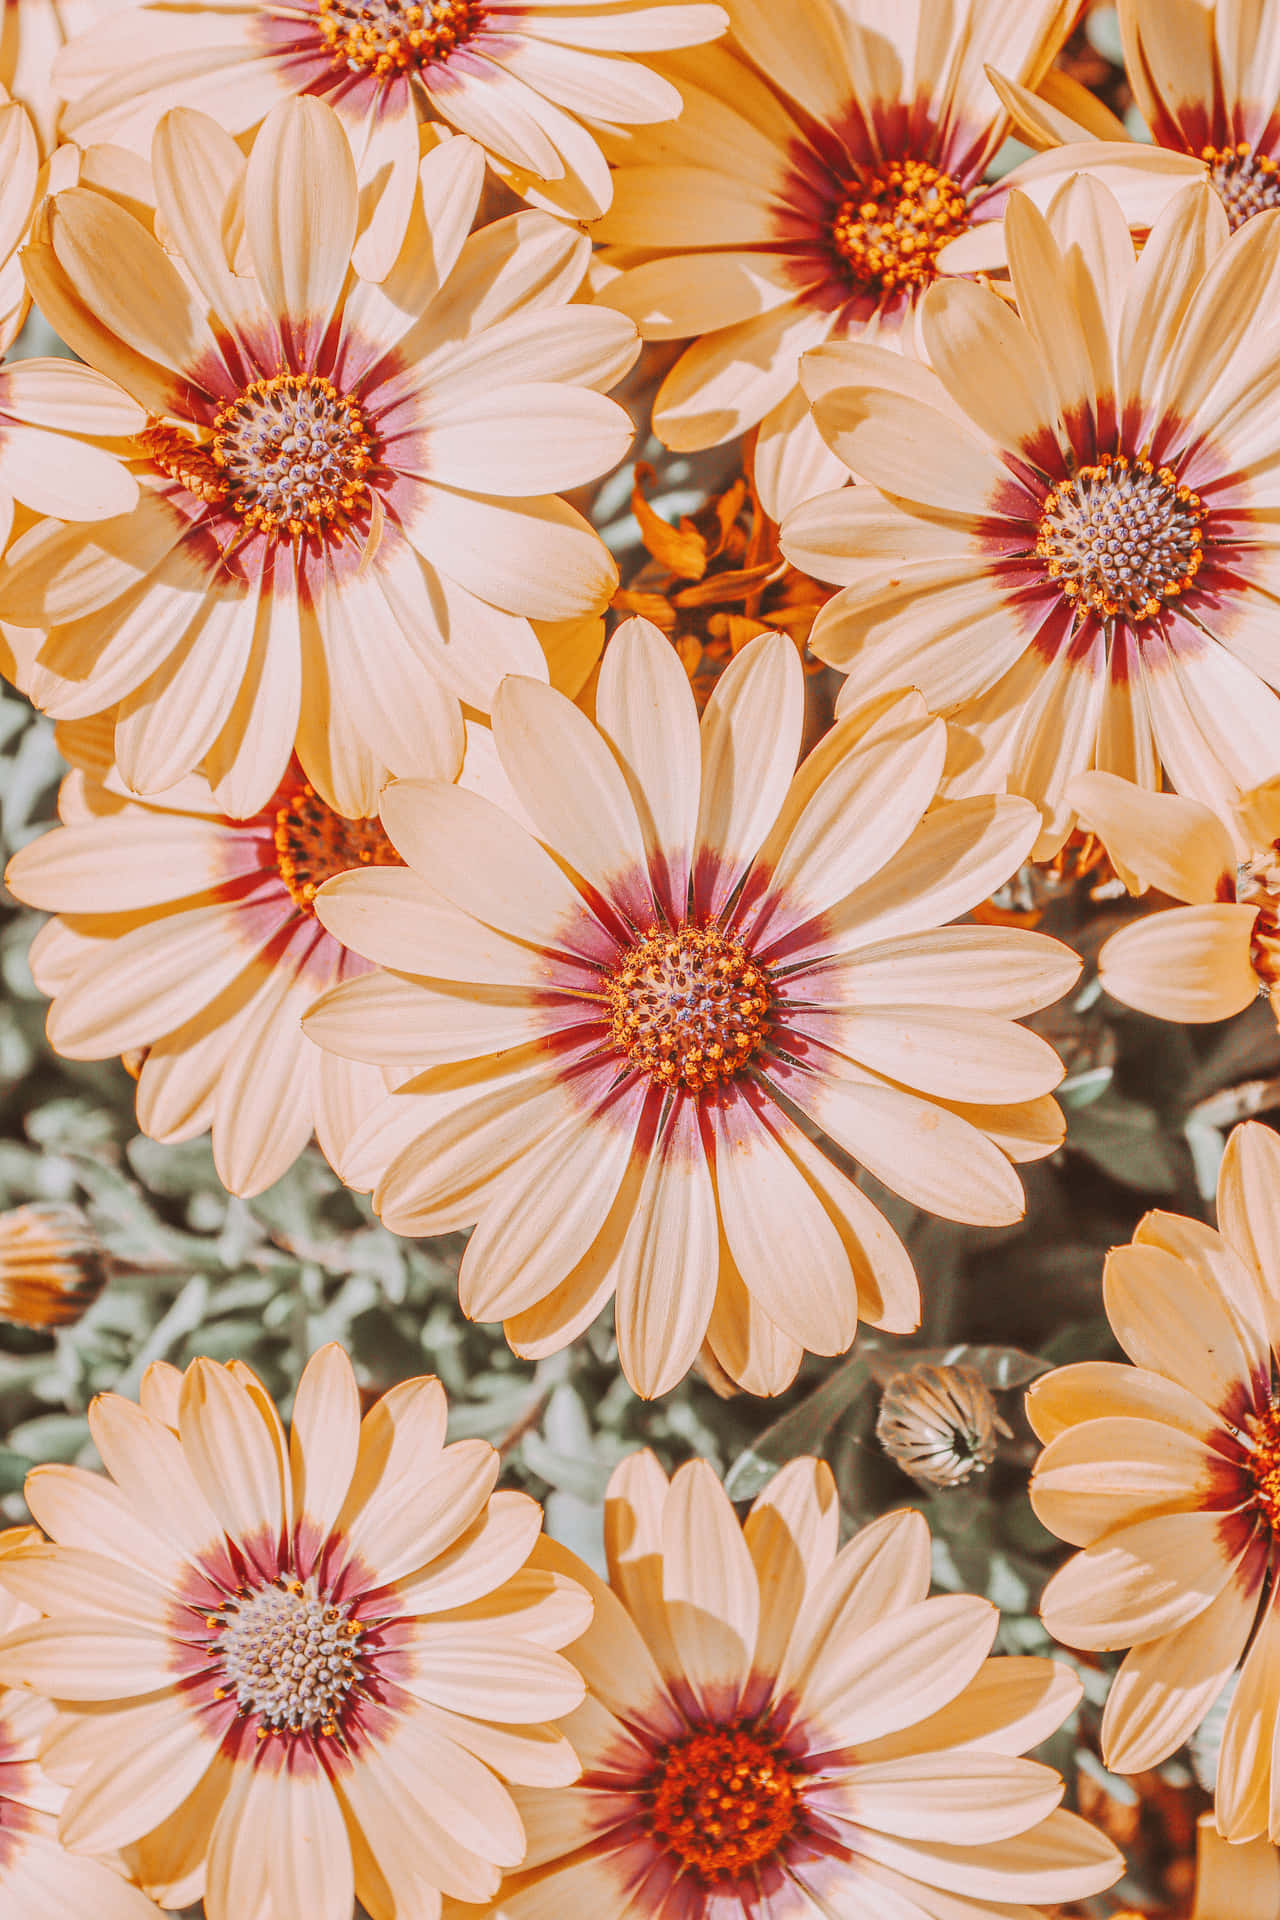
[
  {"x": 689, "y": 1007},
  {"x": 312, "y": 843},
  {"x": 288, "y": 1655},
  {"x": 896, "y": 220},
  {"x": 1122, "y": 537},
  {"x": 722, "y": 1800},
  {"x": 385, "y": 37},
  {"x": 1262, "y": 1432},
  {"x": 1246, "y": 182},
  {"x": 296, "y": 454}
]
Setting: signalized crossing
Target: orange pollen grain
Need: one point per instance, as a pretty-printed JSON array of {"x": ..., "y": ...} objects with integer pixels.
[
  {"x": 313, "y": 843},
  {"x": 689, "y": 1008},
  {"x": 1246, "y": 182},
  {"x": 295, "y": 455},
  {"x": 722, "y": 1801},
  {"x": 1262, "y": 1431},
  {"x": 896, "y": 219},
  {"x": 386, "y": 37},
  {"x": 1122, "y": 538}
]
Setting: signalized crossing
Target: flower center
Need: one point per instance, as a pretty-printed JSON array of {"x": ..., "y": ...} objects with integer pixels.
[
  {"x": 1263, "y": 1431},
  {"x": 722, "y": 1801},
  {"x": 383, "y": 37},
  {"x": 313, "y": 843},
  {"x": 689, "y": 1008},
  {"x": 288, "y": 1655},
  {"x": 895, "y": 221},
  {"x": 1246, "y": 182},
  {"x": 294, "y": 455},
  {"x": 1122, "y": 537}
]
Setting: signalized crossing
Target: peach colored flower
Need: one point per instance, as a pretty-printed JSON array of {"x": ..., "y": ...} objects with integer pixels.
[
  {"x": 53, "y": 1266},
  {"x": 1213, "y": 957},
  {"x": 532, "y": 80},
  {"x": 293, "y": 1670},
  {"x": 193, "y": 937},
  {"x": 37, "y": 1875},
  {"x": 1167, "y": 1475},
  {"x": 780, "y": 1730},
  {"x": 31, "y": 36},
  {"x": 629, "y": 996},
  {"x": 345, "y": 522},
  {"x": 827, "y": 154},
  {"x": 1068, "y": 543}
]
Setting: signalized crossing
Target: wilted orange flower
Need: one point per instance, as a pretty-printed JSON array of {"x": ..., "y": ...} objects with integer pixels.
[
  {"x": 1069, "y": 539},
  {"x": 53, "y": 1266},
  {"x": 778, "y": 1729},
  {"x": 826, "y": 156},
  {"x": 1167, "y": 1475},
  {"x": 346, "y": 520},
  {"x": 626, "y": 1002},
  {"x": 293, "y": 1670}
]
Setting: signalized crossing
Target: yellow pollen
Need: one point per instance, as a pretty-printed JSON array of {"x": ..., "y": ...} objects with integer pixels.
[
  {"x": 385, "y": 37},
  {"x": 295, "y": 455},
  {"x": 188, "y": 461},
  {"x": 689, "y": 1008},
  {"x": 896, "y": 219},
  {"x": 722, "y": 1801},
  {"x": 1122, "y": 538},
  {"x": 313, "y": 843},
  {"x": 1246, "y": 182}
]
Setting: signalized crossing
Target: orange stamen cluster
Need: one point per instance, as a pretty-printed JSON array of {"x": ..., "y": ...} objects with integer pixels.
[
  {"x": 288, "y": 1656},
  {"x": 189, "y": 462},
  {"x": 896, "y": 219},
  {"x": 385, "y": 37},
  {"x": 1246, "y": 182},
  {"x": 313, "y": 843},
  {"x": 722, "y": 1801},
  {"x": 689, "y": 1007},
  {"x": 295, "y": 455},
  {"x": 1263, "y": 1433},
  {"x": 1122, "y": 538}
]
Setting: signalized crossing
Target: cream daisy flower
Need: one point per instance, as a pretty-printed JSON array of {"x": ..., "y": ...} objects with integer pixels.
[
  {"x": 778, "y": 1729},
  {"x": 1068, "y": 543},
  {"x": 53, "y": 1266},
  {"x": 346, "y": 521},
  {"x": 826, "y": 156},
  {"x": 1167, "y": 1474},
  {"x": 37, "y": 1875},
  {"x": 531, "y": 80},
  {"x": 294, "y": 1671},
  {"x": 1214, "y": 956},
  {"x": 632, "y": 996},
  {"x": 193, "y": 937}
]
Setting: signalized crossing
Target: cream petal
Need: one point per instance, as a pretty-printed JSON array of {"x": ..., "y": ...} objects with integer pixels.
[
  {"x": 1177, "y": 1319},
  {"x": 494, "y": 1548},
  {"x": 926, "y": 1797},
  {"x": 792, "y": 1532},
  {"x": 69, "y": 1580},
  {"x": 393, "y": 1022},
  {"x": 1245, "y": 1759},
  {"x": 666, "y": 1269},
  {"x": 751, "y": 732},
  {"x": 409, "y": 1852},
  {"x": 1161, "y": 839},
  {"x": 393, "y": 917},
  {"x": 87, "y": 1658},
  {"x": 645, "y": 709},
  {"x": 1114, "y": 1471},
  {"x": 532, "y": 438},
  {"x": 905, "y": 447},
  {"x": 1249, "y": 1211},
  {"x": 153, "y": 1472},
  {"x": 199, "y": 174},
  {"x": 84, "y": 1510},
  {"x": 676, "y": 295},
  {"x": 952, "y": 1052},
  {"x": 235, "y": 1458},
  {"x": 729, "y": 380},
  {"x": 308, "y": 1861},
  {"x": 1014, "y": 1702},
  {"x": 1003, "y": 970},
  {"x": 1141, "y": 1582},
  {"x": 1165, "y": 1687},
  {"x": 968, "y": 328},
  {"x": 709, "y": 1589},
  {"x": 325, "y": 1438},
  {"x": 489, "y": 1675},
  {"x": 1101, "y": 1389},
  {"x": 300, "y": 212},
  {"x": 1190, "y": 963},
  {"x": 160, "y": 1755},
  {"x": 898, "y": 1670},
  {"x": 1063, "y": 1858},
  {"x": 538, "y": 558}
]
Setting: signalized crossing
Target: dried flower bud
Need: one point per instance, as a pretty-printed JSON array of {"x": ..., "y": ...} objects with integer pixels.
[
  {"x": 939, "y": 1424},
  {"x": 52, "y": 1265}
]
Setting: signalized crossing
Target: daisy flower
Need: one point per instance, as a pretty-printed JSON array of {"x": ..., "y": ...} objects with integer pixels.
[
  {"x": 53, "y": 1266},
  {"x": 345, "y": 522},
  {"x": 194, "y": 937},
  {"x": 1068, "y": 540},
  {"x": 1167, "y": 1475},
  {"x": 775, "y": 1728},
  {"x": 826, "y": 156},
  {"x": 37, "y": 1874},
  {"x": 293, "y": 1670},
  {"x": 631, "y": 995},
  {"x": 531, "y": 80},
  {"x": 1214, "y": 956},
  {"x": 31, "y": 36}
]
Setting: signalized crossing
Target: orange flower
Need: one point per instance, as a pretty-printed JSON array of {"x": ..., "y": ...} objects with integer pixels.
[
  {"x": 776, "y": 1729},
  {"x": 52, "y": 1265},
  {"x": 293, "y": 1670}
]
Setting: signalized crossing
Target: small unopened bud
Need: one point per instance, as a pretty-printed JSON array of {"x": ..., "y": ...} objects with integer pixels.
[
  {"x": 52, "y": 1265},
  {"x": 939, "y": 1424}
]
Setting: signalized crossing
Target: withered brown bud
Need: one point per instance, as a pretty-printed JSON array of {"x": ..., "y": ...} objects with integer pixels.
[
  {"x": 52, "y": 1265},
  {"x": 939, "y": 1424}
]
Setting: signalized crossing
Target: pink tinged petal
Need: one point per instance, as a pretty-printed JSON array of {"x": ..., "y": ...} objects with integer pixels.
[
  {"x": 573, "y": 790},
  {"x": 1180, "y": 250},
  {"x": 164, "y": 1754},
  {"x": 1249, "y": 1211},
  {"x": 300, "y": 209},
  {"x": 537, "y": 437},
  {"x": 967, "y": 328},
  {"x": 494, "y": 1548},
  {"x": 385, "y": 147},
  {"x": 677, "y": 295},
  {"x": 169, "y": 721},
  {"x": 1100, "y": 1389},
  {"x": 533, "y": 1756},
  {"x": 751, "y": 731},
  {"x": 927, "y": 1797},
  {"x": 393, "y": 917},
  {"x": 461, "y": 1793},
  {"x": 634, "y": 1504},
  {"x": 905, "y": 447},
  {"x": 155, "y": 1474},
  {"x": 1002, "y": 970},
  {"x": 538, "y": 558},
  {"x": 666, "y": 1269},
  {"x": 42, "y": 471},
  {"x": 309, "y": 1864},
  {"x": 380, "y": 308},
  {"x": 199, "y": 174},
  {"x": 263, "y": 1109},
  {"x": 646, "y": 710},
  {"x": 392, "y": 1021},
  {"x": 777, "y": 1227},
  {"x": 1189, "y": 963},
  {"x": 84, "y": 1510},
  {"x": 544, "y": 1608},
  {"x": 700, "y": 206},
  {"x": 1177, "y": 1319},
  {"x": 618, "y": 1655},
  {"x": 732, "y": 379},
  {"x": 488, "y": 1674},
  {"x": 46, "y": 1879},
  {"x": 1114, "y": 1471},
  {"x": 69, "y": 398},
  {"x": 484, "y": 100},
  {"x": 490, "y": 867},
  {"x": 1245, "y": 1788},
  {"x": 898, "y": 1670},
  {"x": 404, "y": 1856},
  {"x": 955, "y": 1053},
  {"x": 593, "y": 84},
  {"x": 158, "y": 1392},
  {"x": 139, "y": 859},
  {"x": 1039, "y": 272},
  {"x": 68, "y": 1580},
  {"x": 86, "y": 1657},
  {"x": 1159, "y": 840},
  {"x": 411, "y": 1497},
  {"x": 234, "y": 1456},
  {"x": 1063, "y": 1858},
  {"x": 792, "y": 462},
  {"x": 888, "y": 1292},
  {"x": 881, "y": 1571},
  {"x": 743, "y": 1342},
  {"x": 324, "y": 1440},
  {"x": 1165, "y": 1687},
  {"x": 1142, "y": 1582},
  {"x": 1228, "y": 1277},
  {"x": 1013, "y": 1703},
  {"x": 709, "y": 1589},
  {"x": 236, "y": 1882}
]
